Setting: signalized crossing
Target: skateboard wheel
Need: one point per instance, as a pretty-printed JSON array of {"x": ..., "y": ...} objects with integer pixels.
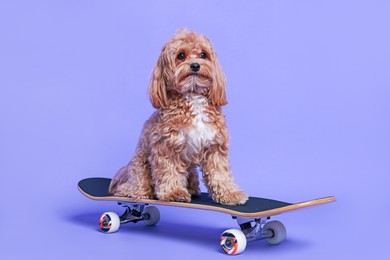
[
  {"x": 279, "y": 231},
  {"x": 109, "y": 222},
  {"x": 151, "y": 215},
  {"x": 233, "y": 241}
]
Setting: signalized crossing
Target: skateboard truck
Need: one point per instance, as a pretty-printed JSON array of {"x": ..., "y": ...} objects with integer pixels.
[
  {"x": 233, "y": 241},
  {"x": 133, "y": 212},
  {"x": 110, "y": 221},
  {"x": 253, "y": 228}
]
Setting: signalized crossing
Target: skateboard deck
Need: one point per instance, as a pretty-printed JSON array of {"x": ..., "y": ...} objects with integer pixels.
[
  {"x": 252, "y": 217},
  {"x": 97, "y": 189}
]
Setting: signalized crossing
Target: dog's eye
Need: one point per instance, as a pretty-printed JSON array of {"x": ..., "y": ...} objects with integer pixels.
[
  {"x": 203, "y": 55},
  {"x": 181, "y": 56}
]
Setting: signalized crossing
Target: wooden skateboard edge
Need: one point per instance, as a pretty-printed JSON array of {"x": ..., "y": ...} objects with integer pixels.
[
  {"x": 301, "y": 205},
  {"x": 261, "y": 214}
]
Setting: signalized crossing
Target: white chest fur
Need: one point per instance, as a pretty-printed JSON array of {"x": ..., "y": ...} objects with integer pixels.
[{"x": 202, "y": 133}]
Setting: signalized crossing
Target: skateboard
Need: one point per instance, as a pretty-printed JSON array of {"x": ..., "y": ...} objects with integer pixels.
[{"x": 252, "y": 218}]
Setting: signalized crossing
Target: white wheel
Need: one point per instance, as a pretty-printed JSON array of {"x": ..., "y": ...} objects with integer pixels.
[
  {"x": 109, "y": 222},
  {"x": 233, "y": 241},
  {"x": 151, "y": 215},
  {"x": 278, "y": 230}
]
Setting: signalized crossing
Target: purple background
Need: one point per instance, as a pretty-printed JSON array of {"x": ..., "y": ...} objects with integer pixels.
[{"x": 308, "y": 114}]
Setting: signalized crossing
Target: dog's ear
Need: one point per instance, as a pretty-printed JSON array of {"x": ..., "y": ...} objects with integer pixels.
[
  {"x": 217, "y": 93},
  {"x": 158, "y": 83}
]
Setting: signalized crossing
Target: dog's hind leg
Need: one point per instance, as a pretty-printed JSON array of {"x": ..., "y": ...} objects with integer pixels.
[{"x": 134, "y": 180}]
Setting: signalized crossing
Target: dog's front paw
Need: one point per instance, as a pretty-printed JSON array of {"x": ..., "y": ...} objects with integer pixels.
[
  {"x": 231, "y": 198},
  {"x": 179, "y": 195}
]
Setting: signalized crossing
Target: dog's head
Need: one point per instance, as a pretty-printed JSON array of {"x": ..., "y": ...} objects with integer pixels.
[{"x": 187, "y": 64}]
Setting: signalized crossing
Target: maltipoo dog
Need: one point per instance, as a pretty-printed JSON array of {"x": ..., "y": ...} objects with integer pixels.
[{"x": 186, "y": 132}]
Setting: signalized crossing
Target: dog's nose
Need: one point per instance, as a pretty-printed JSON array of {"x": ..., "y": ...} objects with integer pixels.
[{"x": 195, "y": 67}]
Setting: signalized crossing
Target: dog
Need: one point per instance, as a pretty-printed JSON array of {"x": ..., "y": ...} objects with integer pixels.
[{"x": 186, "y": 133}]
